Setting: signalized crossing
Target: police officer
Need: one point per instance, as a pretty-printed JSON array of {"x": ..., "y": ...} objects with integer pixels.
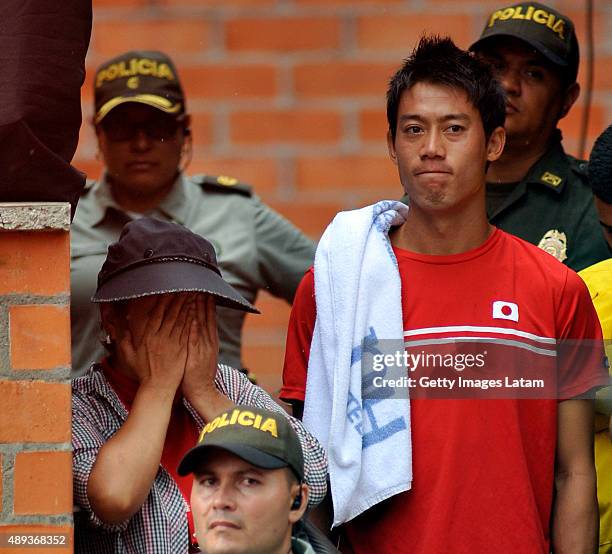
[
  {"x": 144, "y": 139},
  {"x": 248, "y": 493},
  {"x": 535, "y": 190}
]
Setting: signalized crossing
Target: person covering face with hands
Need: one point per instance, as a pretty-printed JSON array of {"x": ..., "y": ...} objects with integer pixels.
[{"x": 142, "y": 407}]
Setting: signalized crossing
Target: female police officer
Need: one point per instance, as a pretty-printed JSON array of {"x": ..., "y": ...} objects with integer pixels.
[{"x": 144, "y": 139}]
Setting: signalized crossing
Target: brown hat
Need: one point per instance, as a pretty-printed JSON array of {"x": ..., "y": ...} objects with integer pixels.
[
  {"x": 156, "y": 257},
  {"x": 549, "y": 32},
  {"x": 146, "y": 77}
]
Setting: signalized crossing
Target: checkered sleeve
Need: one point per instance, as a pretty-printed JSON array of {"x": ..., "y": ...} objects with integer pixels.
[
  {"x": 87, "y": 440},
  {"x": 240, "y": 390}
]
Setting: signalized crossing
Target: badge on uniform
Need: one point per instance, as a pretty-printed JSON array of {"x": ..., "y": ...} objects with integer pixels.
[
  {"x": 551, "y": 179},
  {"x": 555, "y": 243}
]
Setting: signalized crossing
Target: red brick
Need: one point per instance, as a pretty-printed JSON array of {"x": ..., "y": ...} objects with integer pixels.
[
  {"x": 119, "y": 4},
  {"x": 34, "y": 412},
  {"x": 603, "y": 74},
  {"x": 283, "y": 34},
  {"x": 39, "y": 336},
  {"x": 175, "y": 36},
  {"x": 261, "y": 174},
  {"x": 265, "y": 361},
  {"x": 34, "y": 266},
  {"x": 92, "y": 168},
  {"x": 201, "y": 128},
  {"x": 87, "y": 88},
  {"x": 402, "y": 32},
  {"x": 345, "y": 173},
  {"x": 342, "y": 79},
  {"x": 486, "y": 6},
  {"x": 356, "y": 2},
  {"x": 274, "y": 314},
  {"x": 572, "y": 123},
  {"x": 215, "y": 3},
  {"x": 38, "y": 530},
  {"x": 1, "y": 490},
  {"x": 43, "y": 483},
  {"x": 373, "y": 125},
  {"x": 310, "y": 218},
  {"x": 230, "y": 82},
  {"x": 600, "y": 21},
  {"x": 285, "y": 126}
]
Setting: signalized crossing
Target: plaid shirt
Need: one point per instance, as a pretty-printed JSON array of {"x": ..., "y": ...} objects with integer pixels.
[{"x": 160, "y": 526}]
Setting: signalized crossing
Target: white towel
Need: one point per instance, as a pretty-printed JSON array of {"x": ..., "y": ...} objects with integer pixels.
[{"x": 358, "y": 299}]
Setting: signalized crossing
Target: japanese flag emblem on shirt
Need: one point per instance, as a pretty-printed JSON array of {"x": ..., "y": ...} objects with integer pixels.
[{"x": 505, "y": 310}]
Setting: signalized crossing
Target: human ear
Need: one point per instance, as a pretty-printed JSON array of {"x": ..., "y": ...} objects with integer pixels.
[
  {"x": 391, "y": 147},
  {"x": 571, "y": 95},
  {"x": 295, "y": 512},
  {"x": 109, "y": 320},
  {"x": 495, "y": 144}
]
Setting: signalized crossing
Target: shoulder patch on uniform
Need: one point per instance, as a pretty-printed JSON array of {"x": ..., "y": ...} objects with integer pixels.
[
  {"x": 223, "y": 183},
  {"x": 551, "y": 179},
  {"x": 578, "y": 166}
]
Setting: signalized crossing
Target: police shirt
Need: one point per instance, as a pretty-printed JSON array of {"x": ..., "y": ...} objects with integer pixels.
[
  {"x": 552, "y": 207},
  {"x": 256, "y": 249}
]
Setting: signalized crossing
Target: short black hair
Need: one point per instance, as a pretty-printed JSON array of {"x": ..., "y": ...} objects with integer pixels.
[
  {"x": 600, "y": 166},
  {"x": 436, "y": 60}
]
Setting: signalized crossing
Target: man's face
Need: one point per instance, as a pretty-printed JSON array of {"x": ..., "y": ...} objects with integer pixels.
[
  {"x": 141, "y": 147},
  {"x": 536, "y": 97},
  {"x": 440, "y": 148},
  {"x": 604, "y": 211},
  {"x": 242, "y": 509}
]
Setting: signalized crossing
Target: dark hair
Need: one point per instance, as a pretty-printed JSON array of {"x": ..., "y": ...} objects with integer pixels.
[
  {"x": 600, "y": 166},
  {"x": 438, "y": 61}
]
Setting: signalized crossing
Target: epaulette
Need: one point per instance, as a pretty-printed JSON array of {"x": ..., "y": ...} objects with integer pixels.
[
  {"x": 89, "y": 183},
  {"x": 223, "y": 183},
  {"x": 580, "y": 167}
]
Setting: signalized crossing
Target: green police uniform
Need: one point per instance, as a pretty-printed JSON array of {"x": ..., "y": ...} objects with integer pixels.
[
  {"x": 256, "y": 248},
  {"x": 553, "y": 208}
]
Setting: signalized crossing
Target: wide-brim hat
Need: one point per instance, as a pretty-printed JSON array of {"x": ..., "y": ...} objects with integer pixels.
[{"x": 156, "y": 257}]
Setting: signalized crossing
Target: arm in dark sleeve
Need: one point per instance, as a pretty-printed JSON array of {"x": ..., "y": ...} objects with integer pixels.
[{"x": 284, "y": 252}]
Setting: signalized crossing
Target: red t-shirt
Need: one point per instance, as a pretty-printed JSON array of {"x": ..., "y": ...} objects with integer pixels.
[
  {"x": 482, "y": 469},
  {"x": 182, "y": 432}
]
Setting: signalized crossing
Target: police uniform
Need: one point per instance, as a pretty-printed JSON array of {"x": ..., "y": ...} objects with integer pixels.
[
  {"x": 553, "y": 208},
  {"x": 256, "y": 248}
]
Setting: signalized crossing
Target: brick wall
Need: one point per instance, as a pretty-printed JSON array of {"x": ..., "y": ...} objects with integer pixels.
[
  {"x": 35, "y": 457},
  {"x": 289, "y": 96}
]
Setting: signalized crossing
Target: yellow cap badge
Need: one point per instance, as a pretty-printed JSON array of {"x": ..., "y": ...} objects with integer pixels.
[{"x": 555, "y": 243}]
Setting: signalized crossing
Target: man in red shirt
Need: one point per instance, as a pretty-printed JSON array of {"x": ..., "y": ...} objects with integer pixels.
[{"x": 484, "y": 470}]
